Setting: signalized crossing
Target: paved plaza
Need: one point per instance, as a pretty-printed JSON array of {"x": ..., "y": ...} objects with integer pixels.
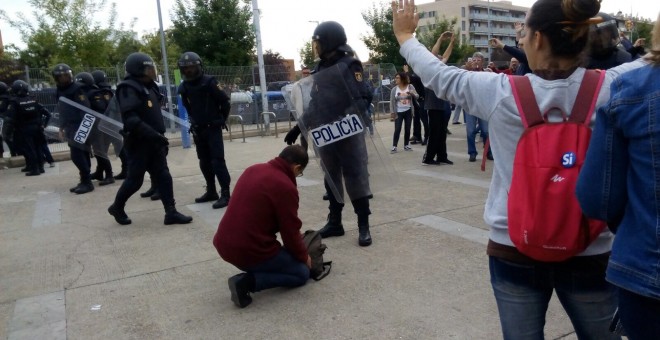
[{"x": 69, "y": 271}]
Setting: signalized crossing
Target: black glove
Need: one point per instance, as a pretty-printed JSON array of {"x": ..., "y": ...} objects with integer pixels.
[
  {"x": 223, "y": 126},
  {"x": 292, "y": 135}
]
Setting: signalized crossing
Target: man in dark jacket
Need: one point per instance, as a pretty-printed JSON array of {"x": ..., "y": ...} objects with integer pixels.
[
  {"x": 208, "y": 108},
  {"x": 265, "y": 203},
  {"x": 139, "y": 100}
]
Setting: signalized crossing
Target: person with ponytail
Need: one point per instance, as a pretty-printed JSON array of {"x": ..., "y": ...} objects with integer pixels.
[
  {"x": 554, "y": 40},
  {"x": 618, "y": 183}
]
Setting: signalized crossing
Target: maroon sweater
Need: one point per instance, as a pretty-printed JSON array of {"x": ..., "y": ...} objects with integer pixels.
[{"x": 264, "y": 202}]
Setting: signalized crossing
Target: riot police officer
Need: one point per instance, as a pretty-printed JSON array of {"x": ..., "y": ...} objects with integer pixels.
[
  {"x": 70, "y": 120},
  {"x": 105, "y": 90},
  {"x": 604, "y": 49},
  {"x": 146, "y": 146},
  {"x": 98, "y": 101},
  {"x": 208, "y": 108},
  {"x": 28, "y": 117},
  {"x": 345, "y": 158}
]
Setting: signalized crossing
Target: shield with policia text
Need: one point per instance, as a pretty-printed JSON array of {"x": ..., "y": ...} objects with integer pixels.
[
  {"x": 84, "y": 128},
  {"x": 333, "y": 116}
]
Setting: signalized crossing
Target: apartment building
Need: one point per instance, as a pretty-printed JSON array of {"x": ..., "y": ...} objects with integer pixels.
[{"x": 478, "y": 20}]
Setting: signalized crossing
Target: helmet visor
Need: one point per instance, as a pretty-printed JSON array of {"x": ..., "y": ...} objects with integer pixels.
[
  {"x": 63, "y": 79},
  {"x": 151, "y": 71},
  {"x": 190, "y": 72}
]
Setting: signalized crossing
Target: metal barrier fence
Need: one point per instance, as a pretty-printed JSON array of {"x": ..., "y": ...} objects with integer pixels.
[{"x": 240, "y": 82}]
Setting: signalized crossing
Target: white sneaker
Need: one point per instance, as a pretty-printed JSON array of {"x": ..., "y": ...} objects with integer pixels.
[
  {"x": 393, "y": 149},
  {"x": 408, "y": 148}
]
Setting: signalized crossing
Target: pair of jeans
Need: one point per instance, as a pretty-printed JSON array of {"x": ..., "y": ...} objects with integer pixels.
[
  {"x": 471, "y": 130},
  {"x": 281, "y": 270},
  {"x": 640, "y": 315},
  {"x": 401, "y": 117},
  {"x": 523, "y": 291}
]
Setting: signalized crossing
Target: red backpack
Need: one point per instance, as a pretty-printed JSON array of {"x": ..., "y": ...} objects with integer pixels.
[{"x": 545, "y": 219}]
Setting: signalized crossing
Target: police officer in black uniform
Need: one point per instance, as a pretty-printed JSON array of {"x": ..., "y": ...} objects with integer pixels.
[
  {"x": 28, "y": 117},
  {"x": 98, "y": 101},
  {"x": 146, "y": 145},
  {"x": 329, "y": 41},
  {"x": 208, "y": 108},
  {"x": 4, "y": 101},
  {"x": 604, "y": 49},
  {"x": 70, "y": 120}
]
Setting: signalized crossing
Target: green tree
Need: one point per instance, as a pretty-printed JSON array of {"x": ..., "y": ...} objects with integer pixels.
[
  {"x": 428, "y": 37},
  {"x": 382, "y": 44},
  {"x": 307, "y": 58},
  {"x": 10, "y": 67},
  {"x": 64, "y": 31},
  {"x": 220, "y": 31},
  {"x": 152, "y": 48}
]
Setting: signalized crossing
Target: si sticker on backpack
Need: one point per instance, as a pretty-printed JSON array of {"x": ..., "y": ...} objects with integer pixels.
[{"x": 545, "y": 219}]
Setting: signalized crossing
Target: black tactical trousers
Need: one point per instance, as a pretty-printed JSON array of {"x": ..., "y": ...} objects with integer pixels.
[{"x": 143, "y": 157}]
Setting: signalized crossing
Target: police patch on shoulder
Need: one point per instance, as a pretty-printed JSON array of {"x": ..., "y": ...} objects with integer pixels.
[
  {"x": 219, "y": 86},
  {"x": 358, "y": 76},
  {"x": 82, "y": 97},
  {"x": 149, "y": 103}
]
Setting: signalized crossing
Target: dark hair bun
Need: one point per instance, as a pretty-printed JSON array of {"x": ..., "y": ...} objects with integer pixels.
[{"x": 580, "y": 10}]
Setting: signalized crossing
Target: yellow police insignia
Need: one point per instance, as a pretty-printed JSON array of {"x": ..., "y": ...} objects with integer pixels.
[
  {"x": 82, "y": 97},
  {"x": 358, "y": 76},
  {"x": 149, "y": 103},
  {"x": 106, "y": 96}
]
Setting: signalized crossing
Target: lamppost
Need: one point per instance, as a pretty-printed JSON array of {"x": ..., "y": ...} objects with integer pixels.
[
  {"x": 165, "y": 66},
  {"x": 490, "y": 35}
]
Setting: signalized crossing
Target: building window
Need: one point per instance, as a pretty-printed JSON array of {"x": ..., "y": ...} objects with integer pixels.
[
  {"x": 431, "y": 14},
  {"x": 462, "y": 12},
  {"x": 463, "y": 25}
]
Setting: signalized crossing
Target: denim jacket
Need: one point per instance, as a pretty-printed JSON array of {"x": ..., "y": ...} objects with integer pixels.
[{"x": 620, "y": 179}]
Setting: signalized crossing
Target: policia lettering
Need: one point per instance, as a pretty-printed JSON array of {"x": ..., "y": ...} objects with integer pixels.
[
  {"x": 85, "y": 128},
  {"x": 330, "y": 133}
]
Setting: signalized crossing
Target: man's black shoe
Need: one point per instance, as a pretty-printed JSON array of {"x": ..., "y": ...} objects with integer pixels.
[
  {"x": 155, "y": 196},
  {"x": 431, "y": 162},
  {"x": 326, "y": 197},
  {"x": 240, "y": 294},
  {"x": 121, "y": 175},
  {"x": 84, "y": 188},
  {"x": 473, "y": 158},
  {"x": 446, "y": 161},
  {"x": 74, "y": 188},
  {"x": 119, "y": 215},
  {"x": 148, "y": 193},
  {"x": 364, "y": 236},
  {"x": 32, "y": 173},
  {"x": 207, "y": 197},
  {"x": 106, "y": 181},
  {"x": 331, "y": 230},
  {"x": 25, "y": 169},
  {"x": 98, "y": 175},
  {"x": 222, "y": 202}
]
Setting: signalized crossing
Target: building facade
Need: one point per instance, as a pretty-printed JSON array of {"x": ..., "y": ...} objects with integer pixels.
[{"x": 477, "y": 20}]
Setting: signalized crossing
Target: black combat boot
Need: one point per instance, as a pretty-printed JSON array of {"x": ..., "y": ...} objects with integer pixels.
[
  {"x": 33, "y": 173},
  {"x": 223, "y": 201},
  {"x": 85, "y": 187},
  {"x": 98, "y": 174},
  {"x": 155, "y": 196},
  {"x": 122, "y": 174},
  {"x": 364, "y": 237},
  {"x": 148, "y": 193},
  {"x": 333, "y": 227},
  {"x": 73, "y": 189},
  {"x": 119, "y": 214},
  {"x": 107, "y": 180},
  {"x": 209, "y": 195},
  {"x": 174, "y": 217}
]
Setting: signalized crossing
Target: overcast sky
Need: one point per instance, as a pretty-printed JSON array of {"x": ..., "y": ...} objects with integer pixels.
[{"x": 287, "y": 24}]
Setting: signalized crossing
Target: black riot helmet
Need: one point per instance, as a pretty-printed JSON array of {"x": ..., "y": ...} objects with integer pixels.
[
  {"x": 63, "y": 75},
  {"x": 20, "y": 88},
  {"x": 604, "y": 37},
  {"x": 190, "y": 65},
  {"x": 85, "y": 78},
  {"x": 3, "y": 88},
  {"x": 141, "y": 65},
  {"x": 100, "y": 78},
  {"x": 330, "y": 36}
]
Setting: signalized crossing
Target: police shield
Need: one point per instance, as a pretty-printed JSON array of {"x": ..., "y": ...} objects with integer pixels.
[
  {"x": 333, "y": 117},
  {"x": 84, "y": 128}
]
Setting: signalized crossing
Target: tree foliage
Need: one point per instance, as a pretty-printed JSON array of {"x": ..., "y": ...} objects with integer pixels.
[
  {"x": 307, "y": 58},
  {"x": 382, "y": 44},
  {"x": 429, "y": 37},
  {"x": 152, "y": 47},
  {"x": 220, "y": 31}
]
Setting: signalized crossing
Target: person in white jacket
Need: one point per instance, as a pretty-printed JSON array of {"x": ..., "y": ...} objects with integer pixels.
[{"x": 556, "y": 32}]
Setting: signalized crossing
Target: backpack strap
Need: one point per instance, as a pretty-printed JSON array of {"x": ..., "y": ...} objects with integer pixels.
[
  {"x": 327, "y": 266},
  {"x": 525, "y": 101},
  {"x": 587, "y": 96}
]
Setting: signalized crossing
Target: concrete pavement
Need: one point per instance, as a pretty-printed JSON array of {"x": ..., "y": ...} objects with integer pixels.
[{"x": 68, "y": 271}]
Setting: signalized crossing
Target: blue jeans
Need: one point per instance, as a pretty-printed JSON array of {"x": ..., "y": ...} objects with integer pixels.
[
  {"x": 523, "y": 291},
  {"x": 282, "y": 270},
  {"x": 471, "y": 130},
  {"x": 640, "y": 315}
]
